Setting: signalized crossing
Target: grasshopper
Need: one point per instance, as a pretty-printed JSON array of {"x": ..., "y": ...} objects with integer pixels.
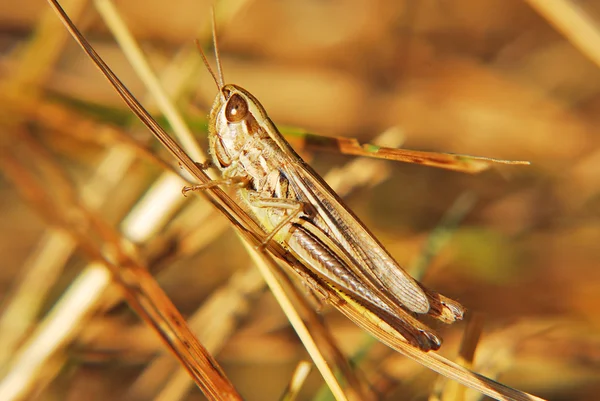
[
  {"x": 297, "y": 208},
  {"x": 299, "y": 212},
  {"x": 306, "y": 224}
]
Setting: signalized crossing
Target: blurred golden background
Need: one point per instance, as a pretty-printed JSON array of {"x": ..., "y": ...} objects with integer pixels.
[{"x": 508, "y": 79}]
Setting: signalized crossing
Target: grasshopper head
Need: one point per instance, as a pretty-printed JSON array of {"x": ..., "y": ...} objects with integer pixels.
[{"x": 234, "y": 106}]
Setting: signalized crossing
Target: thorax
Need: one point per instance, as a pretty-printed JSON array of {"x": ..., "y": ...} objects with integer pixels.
[{"x": 246, "y": 150}]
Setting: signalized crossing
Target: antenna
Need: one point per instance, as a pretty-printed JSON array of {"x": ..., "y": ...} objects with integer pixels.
[
  {"x": 218, "y": 79},
  {"x": 217, "y": 58},
  {"x": 205, "y": 60}
]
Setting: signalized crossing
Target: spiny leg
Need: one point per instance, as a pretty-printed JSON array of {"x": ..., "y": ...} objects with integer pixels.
[
  {"x": 226, "y": 182},
  {"x": 294, "y": 205}
]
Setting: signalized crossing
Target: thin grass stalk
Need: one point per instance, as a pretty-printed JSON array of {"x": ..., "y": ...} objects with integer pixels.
[
  {"x": 576, "y": 25},
  {"x": 297, "y": 381},
  {"x": 140, "y": 288},
  {"x": 31, "y": 66}
]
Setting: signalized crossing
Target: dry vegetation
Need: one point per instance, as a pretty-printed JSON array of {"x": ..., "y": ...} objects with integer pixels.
[{"x": 497, "y": 78}]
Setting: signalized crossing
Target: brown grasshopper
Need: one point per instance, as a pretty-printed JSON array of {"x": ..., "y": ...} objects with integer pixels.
[
  {"x": 303, "y": 214},
  {"x": 291, "y": 213}
]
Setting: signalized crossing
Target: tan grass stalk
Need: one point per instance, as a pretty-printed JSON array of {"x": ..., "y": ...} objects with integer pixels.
[
  {"x": 569, "y": 19},
  {"x": 40, "y": 271},
  {"x": 62, "y": 323},
  {"x": 297, "y": 381},
  {"x": 119, "y": 257},
  {"x": 139, "y": 63},
  {"x": 42, "y": 52}
]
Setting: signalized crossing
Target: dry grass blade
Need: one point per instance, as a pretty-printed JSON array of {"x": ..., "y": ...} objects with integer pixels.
[
  {"x": 446, "y": 390},
  {"x": 45, "y": 264},
  {"x": 574, "y": 23},
  {"x": 30, "y": 361},
  {"x": 448, "y": 161},
  {"x": 222, "y": 310},
  {"x": 470, "y": 340},
  {"x": 118, "y": 28},
  {"x": 432, "y": 360},
  {"x": 300, "y": 374},
  {"x": 282, "y": 289},
  {"x": 140, "y": 289},
  {"x": 25, "y": 301},
  {"x": 36, "y": 59},
  {"x": 63, "y": 322},
  {"x": 57, "y": 118},
  {"x": 219, "y": 198}
]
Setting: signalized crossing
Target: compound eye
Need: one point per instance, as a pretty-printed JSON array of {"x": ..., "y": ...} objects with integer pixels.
[{"x": 236, "y": 109}]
